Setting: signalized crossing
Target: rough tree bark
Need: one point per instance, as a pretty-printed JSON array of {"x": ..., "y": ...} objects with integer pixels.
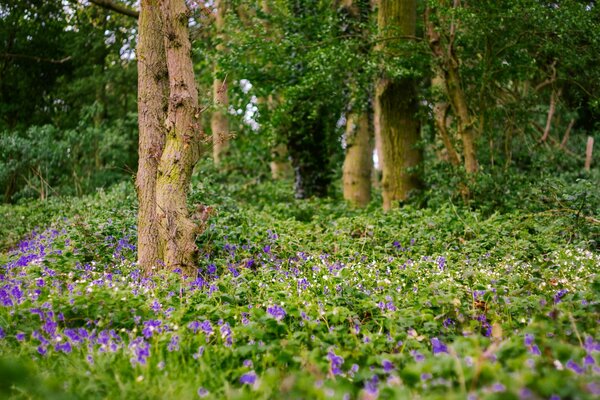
[
  {"x": 177, "y": 231},
  {"x": 152, "y": 105},
  {"x": 398, "y": 106},
  {"x": 219, "y": 123}
]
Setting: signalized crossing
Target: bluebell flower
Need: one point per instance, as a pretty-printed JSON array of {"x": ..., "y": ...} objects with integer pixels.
[
  {"x": 438, "y": 347},
  {"x": 335, "y": 363},
  {"x": 248, "y": 378},
  {"x": 573, "y": 366},
  {"x": 388, "y": 366},
  {"x": 276, "y": 312}
]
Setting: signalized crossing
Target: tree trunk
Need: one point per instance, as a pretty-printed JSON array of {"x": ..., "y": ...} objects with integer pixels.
[
  {"x": 177, "y": 231},
  {"x": 466, "y": 130},
  {"x": 448, "y": 64},
  {"x": 359, "y": 159},
  {"x": 280, "y": 164},
  {"x": 398, "y": 107},
  {"x": 152, "y": 104},
  {"x": 440, "y": 111},
  {"x": 219, "y": 122}
]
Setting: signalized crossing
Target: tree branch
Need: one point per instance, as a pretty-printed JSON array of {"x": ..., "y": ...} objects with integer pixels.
[
  {"x": 116, "y": 7},
  {"x": 35, "y": 58}
]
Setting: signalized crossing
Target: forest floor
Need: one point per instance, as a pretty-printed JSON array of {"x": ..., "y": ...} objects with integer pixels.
[{"x": 300, "y": 299}]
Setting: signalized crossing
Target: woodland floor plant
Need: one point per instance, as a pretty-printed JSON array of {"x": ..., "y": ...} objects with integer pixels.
[{"x": 303, "y": 299}]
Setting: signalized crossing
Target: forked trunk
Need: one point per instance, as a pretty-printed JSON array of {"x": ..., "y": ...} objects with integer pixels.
[{"x": 177, "y": 231}]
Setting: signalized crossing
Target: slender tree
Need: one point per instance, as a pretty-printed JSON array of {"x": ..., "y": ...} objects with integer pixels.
[
  {"x": 398, "y": 106},
  {"x": 152, "y": 104},
  {"x": 219, "y": 122},
  {"x": 358, "y": 161},
  {"x": 447, "y": 64}
]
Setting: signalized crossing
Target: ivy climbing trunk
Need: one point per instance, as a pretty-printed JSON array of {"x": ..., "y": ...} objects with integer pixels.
[
  {"x": 219, "y": 122},
  {"x": 152, "y": 105},
  {"x": 177, "y": 230},
  {"x": 398, "y": 106}
]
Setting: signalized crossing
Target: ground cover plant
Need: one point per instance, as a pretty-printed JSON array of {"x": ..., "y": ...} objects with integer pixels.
[{"x": 313, "y": 300}]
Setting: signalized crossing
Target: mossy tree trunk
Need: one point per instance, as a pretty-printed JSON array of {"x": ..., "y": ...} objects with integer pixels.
[
  {"x": 182, "y": 144},
  {"x": 169, "y": 137},
  {"x": 152, "y": 105},
  {"x": 398, "y": 106},
  {"x": 219, "y": 123}
]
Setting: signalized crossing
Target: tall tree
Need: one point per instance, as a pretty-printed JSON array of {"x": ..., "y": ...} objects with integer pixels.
[
  {"x": 153, "y": 88},
  {"x": 398, "y": 106},
  {"x": 219, "y": 122},
  {"x": 447, "y": 65},
  {"x": 167, "y": 231},
  {"x": 358, "y": 162}
]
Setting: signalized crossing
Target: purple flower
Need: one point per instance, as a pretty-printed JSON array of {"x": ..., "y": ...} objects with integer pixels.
[
  {"x": 594, "y": 388},
  {"x": 64, "y": 347},
  {"x": 438, "y": 347},
  {"x": 140, "y": 350},
  {"x": 20, "y": 336},
  {"x": 528, "y": 339},
  {"x": 206, "y": 328},
  {"x": 267, "y": 249},
  {"x": 194, "y": 326},
  {"x": 573, "y": 366},
  {"x": 441, "y": 261},
  {"x": 498, "y": 388},
  {"x": 535, "y": 350},
  {"x": 276, "y": 312},
  {"x": 248, "y": 378},
  {"x": 371, "y": 385},
  {"x": 42, "y": 350},
  {"x": 559, "y": 295},
  {"x": 388, "y": 366},
  {"x": 335, "y": 363},
  {"x": 202, "y": 392},
  {"x": 174, "y": 344},
  {"x": 248, "y": 363},
  {"x": 418, "y": 357},
  {"x": 2, "y": 333}
]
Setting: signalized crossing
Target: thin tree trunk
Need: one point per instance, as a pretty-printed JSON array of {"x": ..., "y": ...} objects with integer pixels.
[
  {"x": 398, "y": 108},
  {"x": 449, "y": 65},
  {"x": 177, "y": 231},
  {"x": 440, "y": 111},
  {"x": 359, "y": 159},
  {"x": 551, "y": 110},
  {"x": 219, "y": 122},
  {"x": 152, "y": 104},
  {"x": 565, "y": 139}
]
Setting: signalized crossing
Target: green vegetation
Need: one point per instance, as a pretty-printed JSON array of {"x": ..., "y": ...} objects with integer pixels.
[
  {"x": 314, "y": 299},
  {"x": 481, "y": 281}
]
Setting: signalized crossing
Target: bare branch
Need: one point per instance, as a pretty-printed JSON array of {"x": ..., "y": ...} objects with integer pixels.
[
  {"x": 35, "y": 58},
  {"x": 116, "y": 7}
]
